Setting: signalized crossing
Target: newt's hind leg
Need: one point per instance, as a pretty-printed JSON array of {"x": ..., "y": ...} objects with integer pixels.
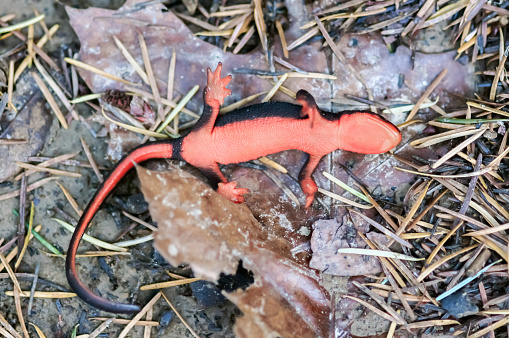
[
  {"x": 307, "y": 184},
  {"x": 225, "y": 188}
]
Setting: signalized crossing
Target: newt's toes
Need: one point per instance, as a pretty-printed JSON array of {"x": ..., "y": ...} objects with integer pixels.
[
  {"x": 229, "y": 191},
  {"x": 310, "y": 189}
]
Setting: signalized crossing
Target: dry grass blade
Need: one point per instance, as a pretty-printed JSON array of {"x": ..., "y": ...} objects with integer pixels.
[
  {"x": 340, "y": 7},
  {"x": 178, "y": 108},
  {"x": 413, "y": 210},
  {"x": 426, "y": 93},
  {"x": 48, "y": 170},
  {"x": 14, "y": 251},
  {"x": 440, "y": 262},
  {"x": 432, "y": 323},
  {"x": 135, "y": 241},
  {"x": 197, "y": 22},
  {"x": 274, "y": 89},
  {"x": 164, "y": 101},
  {"x": 340, "y": 56},
  {"x": 503, "y": 213},
  {"x": 21, "y": 24},
  {"x": 442, "y": 242},
  {"x": 38, "y": 330},
  {"x": 19, "y": 311},
  {"x": 42, "y": 41},
  {"x": 240, "y": 28},
  {"x": 148, "y": 68},
  {"x": 30, "y": 187},
  {"x": 487, "y": 329},
  {"x": 267, "y": 161},
  {"x": 148, "y": 317},
  {"x": 41, "y": 294},
  {"x": 345, "y": 186},
  {"x": 101, "y": 328},
  {"x": 281, "y": 33},
  {"x": 435, "y": 139},
  {"x": 384, "y": 260},
  {"x": 372, "y": 308},
  {"x": 10, "y": 85},
  {"x": 488, "y": 109},
  {"x": 134, "y": 129},
  {"x": 180, "y": 316},
  {"x": 344, "y": 16},
  {"x": 409, "y": 107},
  {"x": 8, "y": 327},
  {"x": 244, "y": 40},
  {"x": 56, "y": 89},
  {"x": 91, "y": 160},
  {"x": 127, "y": 321},
  {"x": 47, "y": 163},
  {"x": 398, "y": 291},
  {"x": 171, "y": 75},
  {"x": 10, "y": 142},
  {"x": 97, "y": 71},
  {"x": 343, "y": 199},
  {"x": 260, "y": 23},
  {"x": 138, "y": 316},
  {"x": 378, "y": 208},
  {"x": 383, "y": 229},
  {"x": 283, "y": 187},
  {"x": 488, "y": 231},
  {"x": 53, "y": 104},
  {"x": 71, "y": 200},
  {"x": 308, "y": 35},
  {"x": 392, "y": 329},
  {"x": 86, "y": 98},
  {"x": 500, "y": 69},
  {"x": 131, "y": 60},
  {"x": 27, "y": 236},
  {"x": 381, "y": 302},
  {"x": 140, "y": 221},
  {"x": 163, "y": 285},
  {"x": 386, "y": 23},
  {"x": 428, "y": 207},
  {"x": 91, "y": 239},
  {"x": 378, "y": 253},
  {"x": 463, "y": 217},
  {"x": 457, "y": 149}
]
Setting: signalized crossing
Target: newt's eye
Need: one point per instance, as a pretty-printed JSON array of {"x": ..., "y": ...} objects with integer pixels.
[{"x": 367, "y": 133}]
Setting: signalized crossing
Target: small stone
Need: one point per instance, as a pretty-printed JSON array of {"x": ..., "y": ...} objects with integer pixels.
[{"x": 458, "y": 305}]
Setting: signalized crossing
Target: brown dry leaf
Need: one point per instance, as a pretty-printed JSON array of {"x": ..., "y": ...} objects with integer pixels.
[{"x": 201, "y": 228}]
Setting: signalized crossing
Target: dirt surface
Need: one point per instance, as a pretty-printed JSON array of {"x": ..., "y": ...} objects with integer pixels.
[{"x": 144, "y": 265}]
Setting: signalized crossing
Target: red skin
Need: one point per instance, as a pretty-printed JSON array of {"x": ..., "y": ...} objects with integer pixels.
[{"x": 242, "y": 138}]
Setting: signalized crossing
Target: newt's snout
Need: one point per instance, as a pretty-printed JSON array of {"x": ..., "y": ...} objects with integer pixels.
[{"x": 367, "y": 133}]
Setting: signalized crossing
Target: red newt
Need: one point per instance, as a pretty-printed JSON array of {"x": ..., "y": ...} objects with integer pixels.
[{"x": 244, "y": 134}]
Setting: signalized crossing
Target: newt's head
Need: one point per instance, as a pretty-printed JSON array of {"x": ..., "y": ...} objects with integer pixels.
[{"x": 367, "y": 133}]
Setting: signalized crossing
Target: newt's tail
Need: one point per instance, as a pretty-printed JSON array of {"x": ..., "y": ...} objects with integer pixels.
[{"x": 161, "y": 149}]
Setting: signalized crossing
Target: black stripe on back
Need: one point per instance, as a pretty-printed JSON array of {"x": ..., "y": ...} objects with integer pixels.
[{"x": 275, "y": 109}]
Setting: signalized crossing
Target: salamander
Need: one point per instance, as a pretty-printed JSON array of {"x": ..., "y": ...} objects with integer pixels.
[{"x": 244, "y": 134}]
